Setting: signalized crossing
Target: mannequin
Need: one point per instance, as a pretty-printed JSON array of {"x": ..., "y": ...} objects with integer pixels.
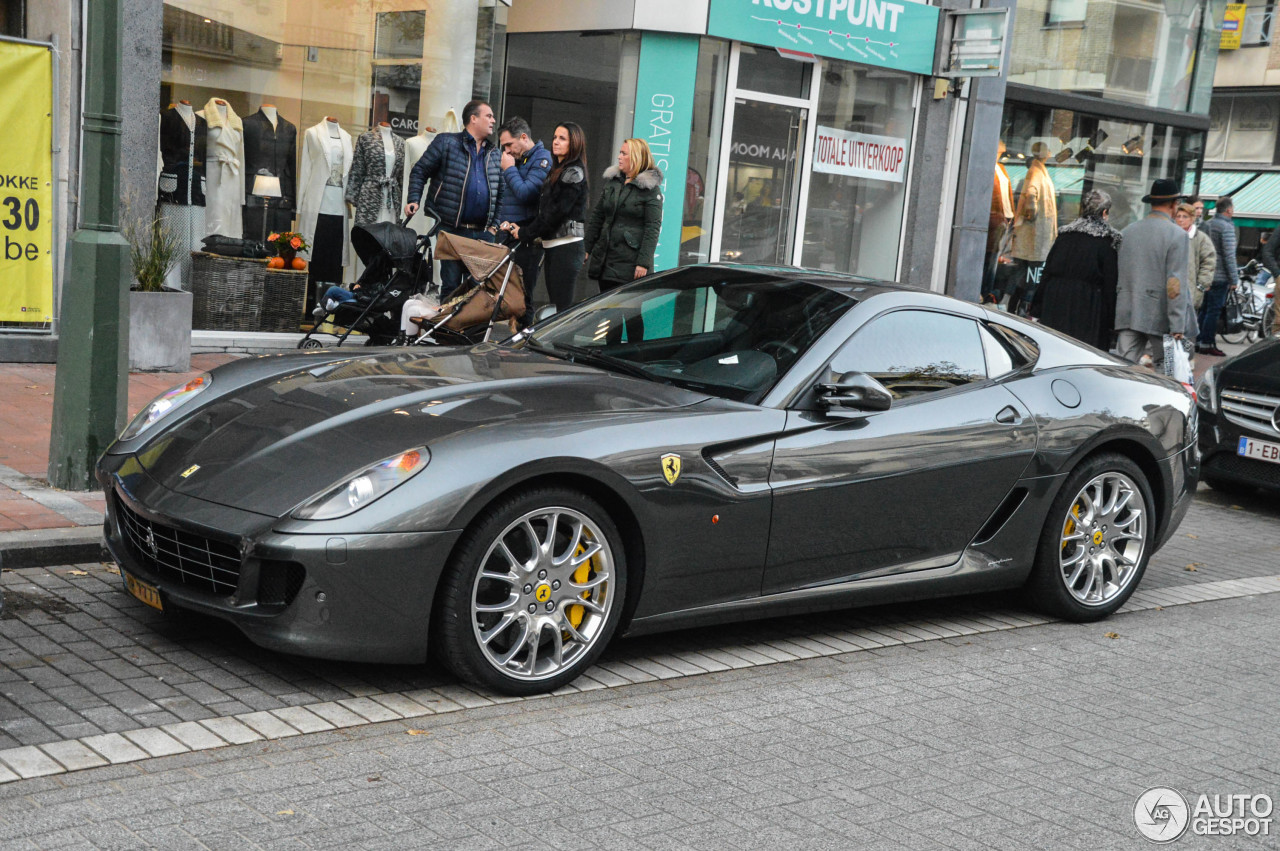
[
  {"x": 1035, "y": 226},
  {"x": 1001, "y": 217},
  {"x": 271, "y": 144},
  {"x": 224, "y": 167},
  {"x": 180, "y": 192},
  {"x": 377, "y": 171},
  {"x": 322, "y": 208}
]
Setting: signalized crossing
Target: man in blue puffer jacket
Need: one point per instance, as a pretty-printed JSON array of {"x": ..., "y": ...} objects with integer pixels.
[
  {"x": 466, "y": 184},
  {"x": 525, "y": 164}
]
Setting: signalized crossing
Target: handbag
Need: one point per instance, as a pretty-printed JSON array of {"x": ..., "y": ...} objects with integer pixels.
[
  {"x": 1177, "y": 360},
  {"x": 231, "y": 246},
  {"x": 1231, "y": 319}
]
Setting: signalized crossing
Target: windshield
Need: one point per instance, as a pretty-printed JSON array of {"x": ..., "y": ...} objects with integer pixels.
[{"x": 731, "y": 333}]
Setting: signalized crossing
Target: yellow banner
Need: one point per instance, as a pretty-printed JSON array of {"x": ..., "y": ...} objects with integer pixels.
[
  {"x": 26, "y": 184},
  {"x": 1232, "y": 24}
]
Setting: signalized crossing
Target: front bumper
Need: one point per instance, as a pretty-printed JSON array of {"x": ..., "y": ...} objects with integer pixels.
[
  {"x": 1219, "y": 439},
  {"x": 364, "y": 598}
]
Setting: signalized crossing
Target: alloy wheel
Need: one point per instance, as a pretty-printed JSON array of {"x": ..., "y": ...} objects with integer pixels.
[
  {"x": 1103, "y": 539},
  {"x": 543, "y": 593}
]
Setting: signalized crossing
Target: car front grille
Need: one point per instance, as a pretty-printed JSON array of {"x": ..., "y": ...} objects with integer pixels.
[
  {"x": 1261, "y": 473},
  {"x": 199, "y": 563},
  {"x": 1250, "y": 409}
]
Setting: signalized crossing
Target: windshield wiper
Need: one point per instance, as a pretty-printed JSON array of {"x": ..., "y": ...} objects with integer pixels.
[{"x": 607, "y": 361}]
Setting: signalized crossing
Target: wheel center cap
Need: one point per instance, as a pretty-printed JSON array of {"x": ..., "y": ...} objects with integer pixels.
[
  {"x": 1097, "y": 538},
  {"x": 542, "y": 593}
]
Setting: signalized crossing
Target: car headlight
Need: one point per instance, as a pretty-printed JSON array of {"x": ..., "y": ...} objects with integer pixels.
[
  {"x": 1207, "y": 389},
  {"x": 364, "y": 487},
  {"x": 164, "y": 403}
]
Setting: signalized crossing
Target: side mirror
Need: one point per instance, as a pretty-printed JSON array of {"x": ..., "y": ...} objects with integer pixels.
[
  {"x": 854, "y": 391},
  {"x": 544, "y": 313}
]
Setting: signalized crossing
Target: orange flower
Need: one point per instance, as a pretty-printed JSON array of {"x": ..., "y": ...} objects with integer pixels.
[
  {"x": 273, "y": 237},
  {"x": 296, "y": 242}
]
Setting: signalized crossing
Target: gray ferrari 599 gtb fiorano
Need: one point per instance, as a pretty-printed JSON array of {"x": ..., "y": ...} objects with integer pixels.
[{"x": 710, "y": 444}]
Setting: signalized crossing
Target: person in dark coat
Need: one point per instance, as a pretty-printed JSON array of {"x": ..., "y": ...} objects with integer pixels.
[
  {"x": 622, "y": 233},
  {"x": 1077, "y": 292},
  {"x": 561, "y": 213}
]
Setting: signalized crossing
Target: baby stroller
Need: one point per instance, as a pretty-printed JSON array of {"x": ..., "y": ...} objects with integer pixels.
[
  {"x": 491, "y": 294},
  {"x": 397, "y": 265}
]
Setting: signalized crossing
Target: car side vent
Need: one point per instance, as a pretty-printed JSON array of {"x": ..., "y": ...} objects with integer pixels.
[
  {"x": 1001, "y": 515},
  {"x": 720, "y": 471},
  {"x": 279, "y": 582}
]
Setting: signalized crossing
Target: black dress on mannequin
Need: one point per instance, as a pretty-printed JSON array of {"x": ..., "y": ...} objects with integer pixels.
[
  {"x": 181, "y": 156},
  {"x": 273, "y": 147}
]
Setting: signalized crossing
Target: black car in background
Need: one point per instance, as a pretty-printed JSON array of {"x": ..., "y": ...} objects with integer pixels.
[{"x": 1239, "y": 401}]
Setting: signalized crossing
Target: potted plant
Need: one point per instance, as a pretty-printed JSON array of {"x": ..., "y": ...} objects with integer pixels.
[
  {"x": 287, "y": 244},
  {"x": 159, "y": 316}
]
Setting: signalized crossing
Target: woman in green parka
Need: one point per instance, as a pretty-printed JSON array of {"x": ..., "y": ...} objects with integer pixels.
[{"x": 622, "y": 233}]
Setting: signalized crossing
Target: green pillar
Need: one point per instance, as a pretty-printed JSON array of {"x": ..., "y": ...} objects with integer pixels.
[{"x": 91, "y": 388}]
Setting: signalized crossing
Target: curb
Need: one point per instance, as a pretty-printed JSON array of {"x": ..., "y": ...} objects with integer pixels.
[{"x": 49, "y": 547}]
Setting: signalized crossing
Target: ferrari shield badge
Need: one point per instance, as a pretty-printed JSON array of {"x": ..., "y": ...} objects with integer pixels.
[
  {"x": 671, "y": 467},
  {"x": 187, "y": 472}
]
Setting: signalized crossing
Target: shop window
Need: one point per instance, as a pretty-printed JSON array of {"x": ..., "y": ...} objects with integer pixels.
[
  {"x": 709, "y": 93},
  {"x": 763, "y": 69},
  {"x": 853, "y": 219},
  {"x": 1064, "y": 154}
]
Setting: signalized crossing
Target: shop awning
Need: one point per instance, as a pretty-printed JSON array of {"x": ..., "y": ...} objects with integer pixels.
[
  {"x": 1260, "y": 199},
  {"x": 1215, "y": 184}
]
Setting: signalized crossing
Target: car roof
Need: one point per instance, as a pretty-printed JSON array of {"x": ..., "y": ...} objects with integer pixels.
[{"x": 856, "y": 287}]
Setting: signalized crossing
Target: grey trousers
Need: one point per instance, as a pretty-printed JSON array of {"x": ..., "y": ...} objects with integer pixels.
[{"x": 1132, "y": 345}]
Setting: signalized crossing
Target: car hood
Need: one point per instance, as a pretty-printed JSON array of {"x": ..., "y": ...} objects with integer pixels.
[
  {"x": 273, "y": 443},
  {"x": 1261, "y": 361}
]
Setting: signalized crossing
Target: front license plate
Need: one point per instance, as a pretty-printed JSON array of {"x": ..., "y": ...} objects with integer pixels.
[
  {"x": 1260, "y": 449},
  {"x": 148, "y": 594}
]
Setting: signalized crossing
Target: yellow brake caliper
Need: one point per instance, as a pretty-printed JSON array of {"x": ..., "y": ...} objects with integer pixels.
[
  {"x": 575, "y": 613},
  {"x": 1071, "y": 524}
]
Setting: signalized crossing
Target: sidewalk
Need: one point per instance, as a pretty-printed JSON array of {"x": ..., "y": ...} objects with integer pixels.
[{"x": 33, "y": 514}]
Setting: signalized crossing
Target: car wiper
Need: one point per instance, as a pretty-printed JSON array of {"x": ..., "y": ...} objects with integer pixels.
[{"x": 608, "y": 361}]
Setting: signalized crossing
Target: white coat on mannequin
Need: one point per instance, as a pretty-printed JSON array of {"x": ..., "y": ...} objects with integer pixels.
[
  {"x": 313, "y": 174},
  {"x": 224, "y": 162}
]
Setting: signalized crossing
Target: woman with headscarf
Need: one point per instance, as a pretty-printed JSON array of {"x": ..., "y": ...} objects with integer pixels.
[{"x": 1077, "y": 292}]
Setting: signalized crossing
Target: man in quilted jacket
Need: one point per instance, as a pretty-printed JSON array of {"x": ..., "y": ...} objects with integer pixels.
[
  {"x": 1222, "y": 232},
  {"x": 466, "y": 184}
]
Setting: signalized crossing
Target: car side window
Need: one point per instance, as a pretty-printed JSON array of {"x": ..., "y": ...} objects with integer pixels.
[
  {"x": 999, "y": 358},
  {"x": 914, "y": 352}
]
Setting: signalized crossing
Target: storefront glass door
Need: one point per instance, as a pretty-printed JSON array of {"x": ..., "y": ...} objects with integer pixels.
[{"x": 759, "y": 220}]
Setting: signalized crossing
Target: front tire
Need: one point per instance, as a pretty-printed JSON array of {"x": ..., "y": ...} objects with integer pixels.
[
  {"x": 533, "y": 593},
  {"x": 1096, "y": 541}
]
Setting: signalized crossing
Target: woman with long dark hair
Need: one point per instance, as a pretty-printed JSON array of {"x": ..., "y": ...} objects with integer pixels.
[{"x": 562, "y": 208}]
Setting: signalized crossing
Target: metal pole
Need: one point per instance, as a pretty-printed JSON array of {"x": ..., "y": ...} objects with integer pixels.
[{"x": 90, "y": 390}]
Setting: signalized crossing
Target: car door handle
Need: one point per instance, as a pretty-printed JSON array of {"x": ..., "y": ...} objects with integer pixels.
[{"x": 1009, "y": 415}]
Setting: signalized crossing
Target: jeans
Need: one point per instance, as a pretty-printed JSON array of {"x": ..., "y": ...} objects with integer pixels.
[
  {"x": 338, "y": 294},
  {"x": 1209, "y": 312},
  {"x": 562, "y": 265},
  {"x": 451, "y": 271}
]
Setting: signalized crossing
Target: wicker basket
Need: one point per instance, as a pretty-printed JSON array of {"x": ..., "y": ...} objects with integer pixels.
[{"x": 238, "y": 294}]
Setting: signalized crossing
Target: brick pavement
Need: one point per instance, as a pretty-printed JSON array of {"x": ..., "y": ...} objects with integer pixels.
[{"x": 1041, "y": 737}]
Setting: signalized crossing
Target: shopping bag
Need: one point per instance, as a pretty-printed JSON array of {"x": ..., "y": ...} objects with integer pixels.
[{"x": 1177, "y": 360}]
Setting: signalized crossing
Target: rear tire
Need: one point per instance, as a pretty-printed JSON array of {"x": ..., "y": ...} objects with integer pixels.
[
  {"x": 1096, "y": 541},
  {"x": 533, "y": 592}
]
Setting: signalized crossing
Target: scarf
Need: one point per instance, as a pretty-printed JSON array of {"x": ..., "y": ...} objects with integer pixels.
[
  {"x": 1093, "y": 226},
  {"x": 213, "y": 116}
]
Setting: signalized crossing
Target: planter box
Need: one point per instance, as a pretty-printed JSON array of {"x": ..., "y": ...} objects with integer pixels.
[{"x": 160, "y": 331}]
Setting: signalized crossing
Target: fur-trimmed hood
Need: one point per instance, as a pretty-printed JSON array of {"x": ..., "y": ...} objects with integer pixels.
[{"x": 647, "y": 179}]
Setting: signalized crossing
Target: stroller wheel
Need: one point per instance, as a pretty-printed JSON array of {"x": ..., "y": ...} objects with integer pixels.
[{"x": 310, "y": 343}]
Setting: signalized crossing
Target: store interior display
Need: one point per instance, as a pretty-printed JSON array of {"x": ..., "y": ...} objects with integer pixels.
[
  {"x": 271, "y": 148},
  {"x": 322, "y": 206},
  {"x": 224, "y": 167}
]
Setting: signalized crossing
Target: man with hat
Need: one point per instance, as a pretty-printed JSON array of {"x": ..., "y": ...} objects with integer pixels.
[
  {"x": 1153, "y": 271},
  {"x": 1222, "y": 233}
]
